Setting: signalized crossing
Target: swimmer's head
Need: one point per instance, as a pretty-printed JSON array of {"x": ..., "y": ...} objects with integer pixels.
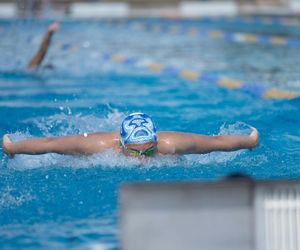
[{"x": 137, "y": 128}]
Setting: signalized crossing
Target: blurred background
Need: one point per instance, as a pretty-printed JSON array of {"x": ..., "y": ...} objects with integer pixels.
[{"x": 88, "y": 8}]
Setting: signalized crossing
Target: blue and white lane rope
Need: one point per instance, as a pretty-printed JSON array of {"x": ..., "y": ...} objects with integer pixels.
[
  {"x": 276, "y": 21},
  {"x": 283, "y": 21},
  {"x": 240, "y": 37},
  {"x": 255, "y": 89}
]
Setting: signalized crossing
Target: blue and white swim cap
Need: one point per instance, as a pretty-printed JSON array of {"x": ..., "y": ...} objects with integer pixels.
[{"x": 137, "y": 128}]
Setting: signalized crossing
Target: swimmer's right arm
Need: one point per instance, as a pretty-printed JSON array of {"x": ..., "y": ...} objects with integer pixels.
[{"x": 69, "y": 145}]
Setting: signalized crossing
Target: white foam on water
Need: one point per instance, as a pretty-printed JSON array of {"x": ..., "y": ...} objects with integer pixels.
[
  {"x": 107, "y": 159},
  {"x": 99, "y": 246},
  {"x": 237, "y": 128},
  {"x": 10, "y": 198},
  {"x": 66, "y": 124}
]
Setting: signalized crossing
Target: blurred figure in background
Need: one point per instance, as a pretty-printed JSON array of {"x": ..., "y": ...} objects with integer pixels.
[
  {"x": 36, "y": 61},
  {"x": 30, "y": 8}
]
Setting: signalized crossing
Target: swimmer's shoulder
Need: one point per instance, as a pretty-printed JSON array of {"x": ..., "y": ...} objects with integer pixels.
[
  {"x": 166, "y": 142},
  {"x": 105, "y": 135},
  {"x": 103, "y": 140},
  {"x": 173, "y": 142},
  {"x": 169, "y": 135}
]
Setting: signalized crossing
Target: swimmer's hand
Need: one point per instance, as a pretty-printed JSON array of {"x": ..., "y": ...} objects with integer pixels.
[
  {"x": 254, "y": 137},
  {"x": 54, "y": 27},
  {"x": 7, "y": 146}
]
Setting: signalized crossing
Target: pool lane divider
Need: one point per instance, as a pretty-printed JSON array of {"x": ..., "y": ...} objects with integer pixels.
[
  {"x": 256, "y": 20},
  {"x": 240, "y": 37},
  {"x": 278, "y": 21},
  {"x": 255, "y": 89}
]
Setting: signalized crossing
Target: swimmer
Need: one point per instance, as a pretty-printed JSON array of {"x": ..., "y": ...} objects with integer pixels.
[
  {"x": 36, "y": 61},
  {"x": 137, "y": 138}
]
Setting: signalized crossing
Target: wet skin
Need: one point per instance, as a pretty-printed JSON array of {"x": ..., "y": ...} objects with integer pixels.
[{"x": 168, "y": 143}]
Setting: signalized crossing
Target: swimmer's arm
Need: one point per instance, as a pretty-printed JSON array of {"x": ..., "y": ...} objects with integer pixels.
[
  {"x": 39, "y": 56},
  {"x": 69, "y": 145},
  {"x": 186, "y": 143}
]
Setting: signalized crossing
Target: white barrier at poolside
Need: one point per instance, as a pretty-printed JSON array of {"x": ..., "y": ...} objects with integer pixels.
[
  {"x": 295, "y": 6},
  {"x": 232, "y": 214},
  {"x": 8, "y": 10},
  {"x": 211, "y": 8},
  {"x": 99, "y": 10}
]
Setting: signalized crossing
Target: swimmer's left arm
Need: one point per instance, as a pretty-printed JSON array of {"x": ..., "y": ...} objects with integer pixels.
[
  {"x": 187, "y": 143},
  {"x": 39, "y": 56}
]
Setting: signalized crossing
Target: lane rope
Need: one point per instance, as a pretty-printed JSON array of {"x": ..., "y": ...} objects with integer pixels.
[
  {"x": 255, "y": 89},
  {"x": 240, "y": 37},
  {"x": 276, "y": 21}
]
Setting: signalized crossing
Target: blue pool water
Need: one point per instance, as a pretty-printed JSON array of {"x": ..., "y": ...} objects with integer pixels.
[{"x": 62, "y": 202}]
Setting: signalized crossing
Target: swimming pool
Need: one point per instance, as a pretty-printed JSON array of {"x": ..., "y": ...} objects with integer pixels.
[{"x": 60, "y": 202}]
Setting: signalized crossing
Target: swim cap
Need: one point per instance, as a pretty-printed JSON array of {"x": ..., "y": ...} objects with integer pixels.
[{"x": 137, "y": 128}]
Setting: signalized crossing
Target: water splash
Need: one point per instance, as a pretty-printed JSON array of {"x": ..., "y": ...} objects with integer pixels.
[
  {"x": 9, "y": 198},
  {"x": 67, "y": 123},
  {"x": 237, "y": 128},
  {"x": 100, "y": 246}
]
